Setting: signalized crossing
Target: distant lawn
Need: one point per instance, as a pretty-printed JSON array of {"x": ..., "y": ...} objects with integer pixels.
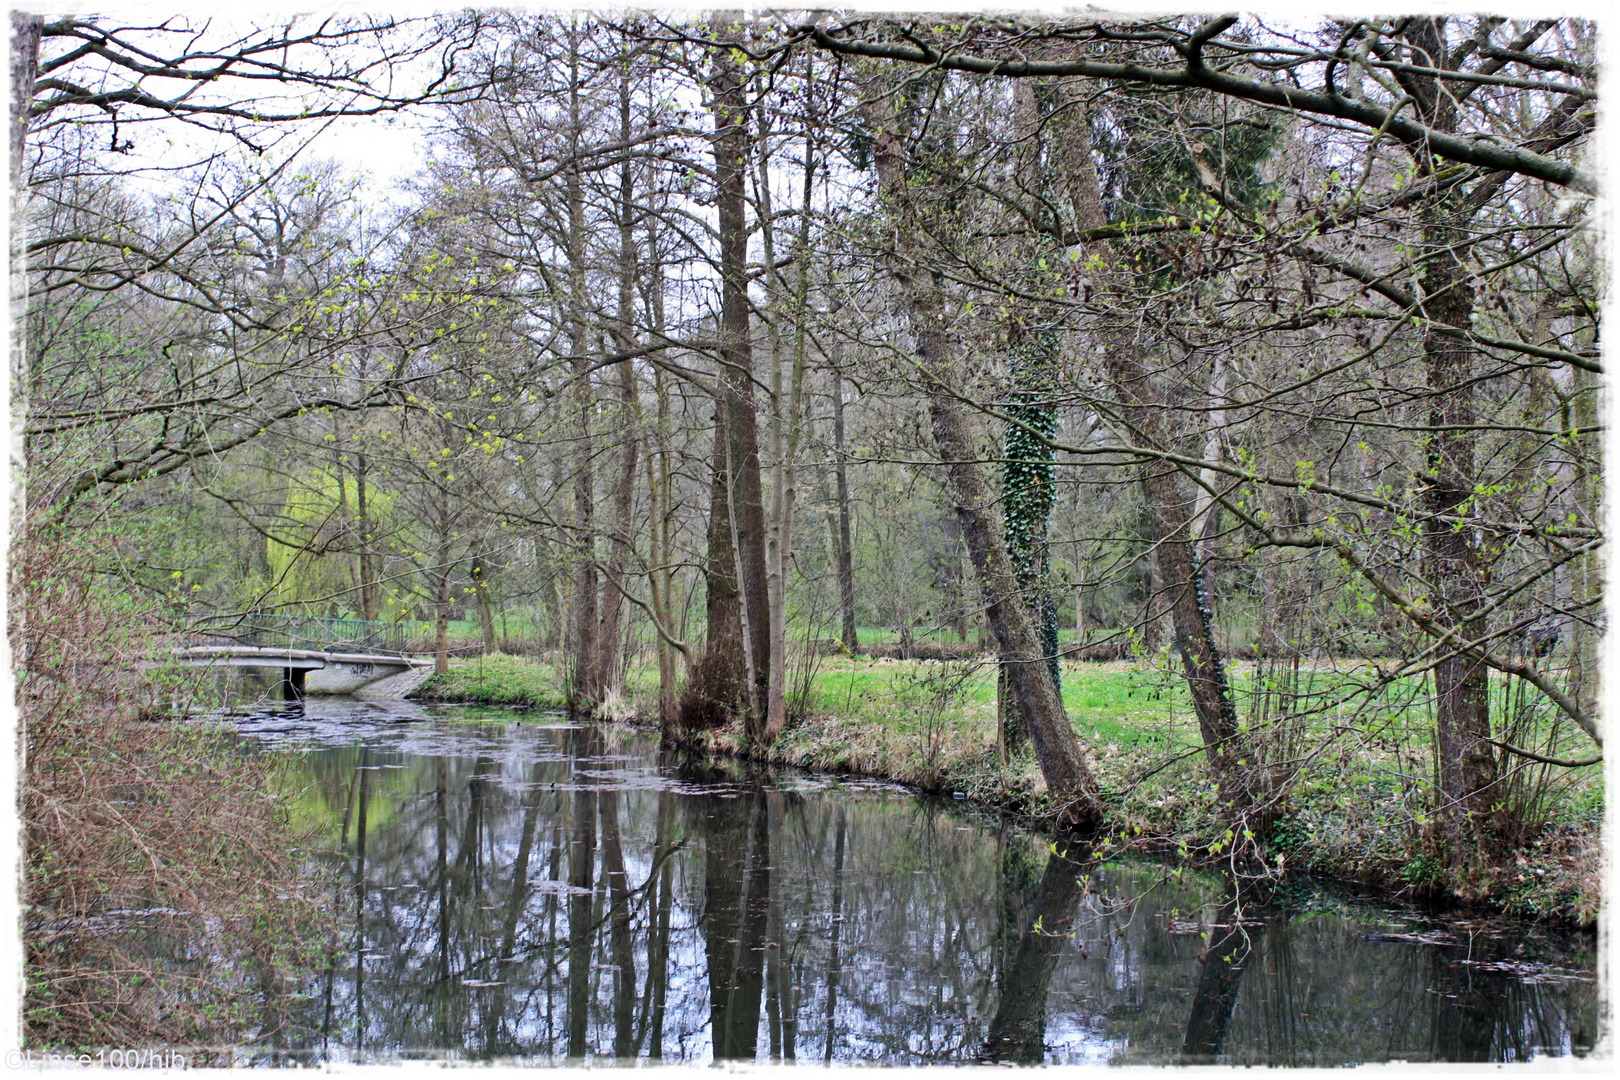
[{"x": 1119, "y": 702}]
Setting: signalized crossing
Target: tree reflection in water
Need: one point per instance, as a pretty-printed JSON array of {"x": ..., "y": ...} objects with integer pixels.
[
  {"x": 547, "y": 892},
  {"x": 736, "y": 908},
  {"x": 1018, "y": 1030},
  {"x": 1234, "y": 944}
]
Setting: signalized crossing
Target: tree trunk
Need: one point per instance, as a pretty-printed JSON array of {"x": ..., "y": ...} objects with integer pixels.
[
  {"x": 346, "y": 523},
  {"x": 835, "y": 959},
  {"x": 25, "y": 36},
  {"x": 1206, "y": 509},
  {"x": 609, "y": 642},
  {"x": 584, "y": 691},
  {"x": 1059, "y": 753},
  {"x": 1179, "y": 581},
  {"x": 441, "y": 612},
  {"x": 784, "y": 443},
  {"x": 369, "y": 586},
  {"x": 737, "y": 889},
  {"x": 1202, "y": 663},
  {"x": 846, "y": 558},
  {"x": 659, "y": 909},
  {"x": 1026, "y": 496},
  {"x": 660, "y": 579},
  {"x": 732, "y": 677},
  {"x": 1454, "y": 563},
  {"x": 1018, "y": 1029},
  {"x": 1079, "y": 620},
  {"x": 776, "y": 521},
  {"x": 1026, "y": 471},
  {"x": 620, "y": 934},
  {"x": 581, "y": 920},
  {"x": 660, "y": 485},
  {"x": 486, "y": 613},
  {"x": 1232, "y": 947}
]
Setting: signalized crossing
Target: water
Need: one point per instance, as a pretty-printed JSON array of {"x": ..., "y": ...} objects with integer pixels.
[{"x": 530, "y": 889}]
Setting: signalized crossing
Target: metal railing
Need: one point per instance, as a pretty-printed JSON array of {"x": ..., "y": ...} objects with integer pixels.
[{"x": 266, "y": 630}]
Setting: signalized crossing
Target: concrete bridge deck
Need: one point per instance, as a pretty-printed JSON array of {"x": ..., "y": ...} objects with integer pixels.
[{"x": 306, "y": 671}]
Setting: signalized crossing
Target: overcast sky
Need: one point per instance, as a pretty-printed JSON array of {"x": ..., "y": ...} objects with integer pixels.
[{"x": 387, "y": 150}]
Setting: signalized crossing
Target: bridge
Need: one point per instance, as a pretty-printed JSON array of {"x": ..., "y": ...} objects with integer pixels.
[{"x": 315, "y": 656}]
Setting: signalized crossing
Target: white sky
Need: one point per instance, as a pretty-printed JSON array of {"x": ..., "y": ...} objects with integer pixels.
[{"x": 386, "y": 150}]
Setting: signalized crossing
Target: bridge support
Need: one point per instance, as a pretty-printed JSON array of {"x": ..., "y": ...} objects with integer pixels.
[{"x": 292, "y": 683}]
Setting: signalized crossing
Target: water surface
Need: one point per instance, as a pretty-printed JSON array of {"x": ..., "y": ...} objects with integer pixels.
[{"x": 524, "y": 888}]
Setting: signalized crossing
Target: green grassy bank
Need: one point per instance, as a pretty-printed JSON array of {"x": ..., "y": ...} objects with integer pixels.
[{"x": 1355, "y": 809}]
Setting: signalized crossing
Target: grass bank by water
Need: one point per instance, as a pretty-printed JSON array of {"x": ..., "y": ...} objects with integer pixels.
[{"x": 1356, "y": 812}]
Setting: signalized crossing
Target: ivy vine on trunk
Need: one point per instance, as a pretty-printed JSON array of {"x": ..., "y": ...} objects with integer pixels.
[{"x": 1026, "y": 492}]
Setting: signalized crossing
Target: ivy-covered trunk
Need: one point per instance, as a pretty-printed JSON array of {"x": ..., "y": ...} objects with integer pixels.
[{"x": 1026, "y": 494}]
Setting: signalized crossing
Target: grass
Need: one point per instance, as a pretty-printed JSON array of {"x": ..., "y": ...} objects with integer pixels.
[
  {"x": 516, "y": 682},
  {"x": 1110, "y": 702}
]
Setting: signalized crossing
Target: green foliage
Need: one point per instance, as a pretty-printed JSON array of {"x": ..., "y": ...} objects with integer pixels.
[
  {"x": 1423, "y": 869},
  {"x": 310, "y": 554},
  {"x": 1288, "y": 834}
]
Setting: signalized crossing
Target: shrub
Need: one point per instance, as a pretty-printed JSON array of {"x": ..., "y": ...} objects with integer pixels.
[{"x": 163, "y": 901}]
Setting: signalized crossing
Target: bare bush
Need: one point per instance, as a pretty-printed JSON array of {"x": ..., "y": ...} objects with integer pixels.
[{"x": 164, "y": 902}]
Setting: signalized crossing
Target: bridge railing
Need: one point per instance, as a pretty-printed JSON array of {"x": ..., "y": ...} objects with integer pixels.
[{"x": 272, "y": 631}]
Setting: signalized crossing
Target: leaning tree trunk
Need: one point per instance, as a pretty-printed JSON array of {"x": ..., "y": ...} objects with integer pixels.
[
  {"x": 1062, "y": 760},
  {"x": 1170, "y": 530},
  {"x": 1018, "y": 1029}
]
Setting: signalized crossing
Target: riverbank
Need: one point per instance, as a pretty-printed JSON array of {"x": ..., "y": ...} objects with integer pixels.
[{"x": 1352, "y": 813}]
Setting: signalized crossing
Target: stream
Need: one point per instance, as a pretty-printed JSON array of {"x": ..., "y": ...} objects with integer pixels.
[{"x": 524, "y": 888}]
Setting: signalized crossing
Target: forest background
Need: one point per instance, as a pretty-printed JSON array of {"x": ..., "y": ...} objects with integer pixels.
[{"x": 706, "y": 355}]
